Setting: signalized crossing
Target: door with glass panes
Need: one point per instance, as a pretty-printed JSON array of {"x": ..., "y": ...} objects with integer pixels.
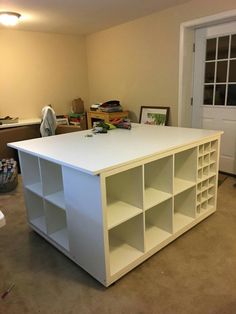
[{"x": 214, "y": 88}]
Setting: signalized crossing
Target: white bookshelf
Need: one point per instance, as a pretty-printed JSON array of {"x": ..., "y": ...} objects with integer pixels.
[{"x": 112, "y": 212}]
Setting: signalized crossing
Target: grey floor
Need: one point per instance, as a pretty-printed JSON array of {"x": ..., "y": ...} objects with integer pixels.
[{"x": 194, "y": 274}]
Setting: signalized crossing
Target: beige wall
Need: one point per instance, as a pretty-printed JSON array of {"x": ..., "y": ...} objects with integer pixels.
[
  {"x": 38, "y": 69},
  {"x": 137, "y": 62}
]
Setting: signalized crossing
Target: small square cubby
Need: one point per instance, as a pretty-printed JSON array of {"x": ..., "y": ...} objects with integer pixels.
[
  {"x": 52, "y": 182},
  {"x": 31, "y": 172},
  {"x": 158, "y": 181},
  {"x": 211, "y": 203},
  {"x": 214, "y": 145},
  {"x": 126, "y": 243},
  {"x": 212, "y": 181},
  {"x": 57, "y": 224},
  {"x": 35, "y": 207},
  {"x": 158, "y": 224},
  {"x": 124, "y": 195},
  {"x": 200, "y": 162},
  {"x": 184, "y": 208},
  {"x": 212, "y": 168},
  {"x": 206, "y": 159},
  {"x": 213, "y": 157},
  {"x": 201, "y": 150},
  {"x": 199, "y": 209},
  {"x": 205, "y": 184},
  {"x": 185, "y": 170},
  {"x": 199, "y": 187},
  {"x": 205, "y": 172},
  {"x": 199, "y": 198},
  {"x": 199, "y": 174},
  {"x": 204, "y": 196},
  {"x": 204, "y": 206},
  {"x": 211, "y": 191},
  {"x": 207, "y": 147}
]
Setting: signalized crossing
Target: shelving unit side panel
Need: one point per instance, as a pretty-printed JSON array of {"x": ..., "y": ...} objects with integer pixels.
[
  {"x": 83, "y": 200},
  {"x": 51, "y": 177}
]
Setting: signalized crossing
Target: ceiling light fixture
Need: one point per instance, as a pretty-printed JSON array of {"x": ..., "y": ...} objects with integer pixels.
[{"x": 9, "y": 18}]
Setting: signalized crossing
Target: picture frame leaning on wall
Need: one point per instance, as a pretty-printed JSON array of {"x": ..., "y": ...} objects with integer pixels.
[{"x": 154, "y": 115}]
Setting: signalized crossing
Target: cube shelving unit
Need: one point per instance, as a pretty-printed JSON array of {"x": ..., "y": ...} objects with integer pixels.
[{"x": 109, "y": 216}]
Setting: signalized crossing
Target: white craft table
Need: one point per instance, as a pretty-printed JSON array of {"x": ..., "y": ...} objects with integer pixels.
[{"x": 112, "y": 200}]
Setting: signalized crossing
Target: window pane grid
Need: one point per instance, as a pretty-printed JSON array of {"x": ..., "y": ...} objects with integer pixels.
[{"x": 219, "y": 77}]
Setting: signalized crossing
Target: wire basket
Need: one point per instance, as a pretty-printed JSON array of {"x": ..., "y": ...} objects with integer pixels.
[{"x": 8, "y": 175}]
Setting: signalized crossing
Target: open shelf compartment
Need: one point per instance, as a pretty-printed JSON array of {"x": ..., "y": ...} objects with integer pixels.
[
  {"x": 126, "y": 243},
  {"x": 31, "y": 172},
  {"x": 124, "y": 195},
  {"x": 184, "y": 208},
  {"x": 52, "y": 182},
  {"x": 35, "y": 209},
  {"x": 158, "y": 181},
  {"x": 158, "y": 224},
  {"x": 57, "y": 224},
  {"x": 185, "y": 170}
]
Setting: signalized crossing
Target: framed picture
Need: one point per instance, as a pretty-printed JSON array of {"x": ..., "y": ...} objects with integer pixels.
[{"x": 154, "y": 115}]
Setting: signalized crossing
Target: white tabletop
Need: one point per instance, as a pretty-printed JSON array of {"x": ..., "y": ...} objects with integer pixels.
[
  {"x": 21, "y": 122},
  {"x": 107, "y": 151}
]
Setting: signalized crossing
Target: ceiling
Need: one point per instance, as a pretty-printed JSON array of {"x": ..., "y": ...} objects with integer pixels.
[{"x": 80, "y": 16}]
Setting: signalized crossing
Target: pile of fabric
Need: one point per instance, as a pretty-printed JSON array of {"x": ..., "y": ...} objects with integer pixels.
[{"x": 120, "y": 123}]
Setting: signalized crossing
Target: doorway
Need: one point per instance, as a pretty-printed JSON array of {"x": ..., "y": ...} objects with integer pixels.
[{"x": 212, "y": 82}]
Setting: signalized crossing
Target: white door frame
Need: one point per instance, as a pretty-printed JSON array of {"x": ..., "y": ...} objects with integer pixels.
[{"x": 186, "y": 62}]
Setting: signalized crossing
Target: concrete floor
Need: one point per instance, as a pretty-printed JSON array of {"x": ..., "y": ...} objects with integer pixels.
[{"x": 194, "y": 274}]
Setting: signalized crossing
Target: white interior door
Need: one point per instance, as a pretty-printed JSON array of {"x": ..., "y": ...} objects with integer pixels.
[{"x": 214, "y": 88}]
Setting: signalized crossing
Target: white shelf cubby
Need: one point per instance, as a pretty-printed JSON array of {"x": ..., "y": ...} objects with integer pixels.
[
  {"x": 36, "y": 212},
  {"x": 31, "y": 172},
  {"x": 56, "y": 223},
  {"x": 185, "y": 170},
  {"x": 126, "y": 243},
  {"x": 52, "y": 183},
  {"x": 184, "y": 208},
  {"x": 158, "y": 224},
  {"x": 158, "y": 181},
  {"x": 124, "y": 196}
]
